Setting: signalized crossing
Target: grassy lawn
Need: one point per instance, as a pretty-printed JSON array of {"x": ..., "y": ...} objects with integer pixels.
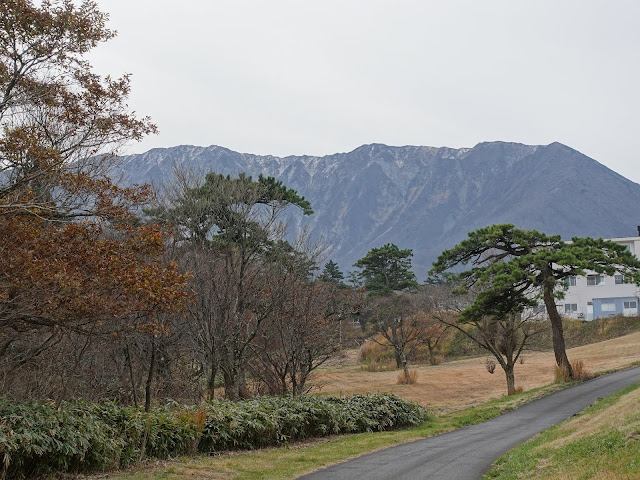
[
  {"x": 298, "y": 458},
  {"x": 602, "y": 442}
]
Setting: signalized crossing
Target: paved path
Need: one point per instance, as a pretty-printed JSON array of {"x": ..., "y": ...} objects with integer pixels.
[{"x": 469, "y": 452}]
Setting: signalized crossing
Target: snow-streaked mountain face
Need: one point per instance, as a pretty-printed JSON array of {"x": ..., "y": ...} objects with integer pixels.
[{"x": 425, "y": 198}]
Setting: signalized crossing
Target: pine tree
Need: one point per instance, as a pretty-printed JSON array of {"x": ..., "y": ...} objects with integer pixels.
[
  {"x": 387, "y": 269},
  {"x": 510, "y": 264}
]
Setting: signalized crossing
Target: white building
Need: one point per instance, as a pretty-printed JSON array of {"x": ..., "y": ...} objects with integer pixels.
[{"x": 596, "y": 295}]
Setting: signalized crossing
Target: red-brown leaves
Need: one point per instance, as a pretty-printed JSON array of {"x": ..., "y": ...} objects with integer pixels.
[
  {"x": 57, "y": 118},
  {"x": 76, "y": 273}
]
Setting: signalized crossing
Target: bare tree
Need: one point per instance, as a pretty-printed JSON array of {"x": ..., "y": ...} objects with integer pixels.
[
  {"x": 230, "y": 235},
  {"x": 300, "y": 336},
  {"x": 400, "y": 321},
  {"x": 497, "y": 325}
]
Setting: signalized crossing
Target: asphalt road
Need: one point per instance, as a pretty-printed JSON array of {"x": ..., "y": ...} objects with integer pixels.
[{"x": 469, "y": 452}]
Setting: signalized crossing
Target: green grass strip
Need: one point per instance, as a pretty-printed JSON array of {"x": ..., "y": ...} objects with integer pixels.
[{"x": 612, "y": 452}]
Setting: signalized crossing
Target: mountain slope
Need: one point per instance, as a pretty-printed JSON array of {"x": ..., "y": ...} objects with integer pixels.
[{"x": 427, "y": 198}]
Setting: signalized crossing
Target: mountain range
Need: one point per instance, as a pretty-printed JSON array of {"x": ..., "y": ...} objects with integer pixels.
[{"x": 425, "y": 198}]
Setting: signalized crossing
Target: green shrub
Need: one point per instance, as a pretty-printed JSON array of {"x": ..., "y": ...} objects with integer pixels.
[
  {"x": 275, "y": 420},
  {"x": 37, "y": 438},
  {"x": 162, "y": 433},
  {"x": 40, "y": 437}
]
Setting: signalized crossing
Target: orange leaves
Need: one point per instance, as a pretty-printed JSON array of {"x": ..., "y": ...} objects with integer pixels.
[
  {"x": 75, "y": 194},
  {"x": 75, "y": 273},
  {"x": 57, "y": 116},
  {"x": 60, "y": 128},
  {"x": 26, "y": 142}
]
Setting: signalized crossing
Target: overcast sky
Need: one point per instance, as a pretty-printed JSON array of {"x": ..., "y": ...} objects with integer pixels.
[{"x": 319, "y": 77}]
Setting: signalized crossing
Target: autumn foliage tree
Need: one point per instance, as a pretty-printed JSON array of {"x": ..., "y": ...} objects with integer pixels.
[
  {"x": 72, "y": 256},
  {"x": 61, "y": 123}
]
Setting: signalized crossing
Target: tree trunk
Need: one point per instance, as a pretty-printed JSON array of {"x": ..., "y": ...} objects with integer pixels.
[
  {"x": 559, "y": 348},
  {"x": 432, "y": 352},
  {"x": 152, "y": 367},
  {"x": 305, "y": 370},
  {"x": 234, "y": 381},
  {"x": 511, "y": 378},
  {"x": 211, "y": 385},
  {"x": 134, "y": 389},
  {"x": 405, "y": 367},
  {"x": 231, "y": 385},
  {"x": 243, "y": 392},
  {"x": 363, "y": 324},
  {"x": 394, "y": 339}
]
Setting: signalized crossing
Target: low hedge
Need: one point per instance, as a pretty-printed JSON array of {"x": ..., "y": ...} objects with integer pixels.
[{"x": 37, "y": 438}]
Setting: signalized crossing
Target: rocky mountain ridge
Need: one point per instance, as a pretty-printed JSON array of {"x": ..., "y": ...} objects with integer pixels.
[{"x": 426, "y": 198}]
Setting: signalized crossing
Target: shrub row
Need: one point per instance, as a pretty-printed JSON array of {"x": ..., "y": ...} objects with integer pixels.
[{"x": 37, "y": 438}]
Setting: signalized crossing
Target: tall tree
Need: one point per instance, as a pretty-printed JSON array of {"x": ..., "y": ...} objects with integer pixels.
[
  {"x": 233, "y": 238},
  {"x": 60, "y": 128},
  {"x": 387, "y": 269},
  {"x": 300, "y": 335},
  {"x": 514, "y": 265},
  {"x": 225, "y": 210},
  {"x": 60, "y": 122}
]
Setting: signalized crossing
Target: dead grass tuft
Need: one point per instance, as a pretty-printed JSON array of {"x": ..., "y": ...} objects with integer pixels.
[
  {"x": 410, "y": 379},
  {"x": 437, "y": 360},
  {"x": 579, "y": 372},
  {"x": 561, "y": 373},
  {"x": 490, "y": 363},
  {"x": 516, "y": 390}
]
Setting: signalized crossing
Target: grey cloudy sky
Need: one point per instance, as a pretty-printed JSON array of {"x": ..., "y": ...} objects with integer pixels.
[{"x": 319, "y": 77}]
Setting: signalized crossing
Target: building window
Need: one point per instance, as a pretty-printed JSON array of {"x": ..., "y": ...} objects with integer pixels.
[
  {"x": 570, "y": 307},
  {"x": 538, "y": 309},
  {"x": 570, "y": 281},
  {"x": 619, "y": 279},
  {"x": 631, "y": 304},
  {"x": 608, "y": 307},
  {"x": 595, "y": 279}
]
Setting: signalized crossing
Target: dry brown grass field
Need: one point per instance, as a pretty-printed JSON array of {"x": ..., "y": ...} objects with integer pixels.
[{"x": 453, "y": 385}]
